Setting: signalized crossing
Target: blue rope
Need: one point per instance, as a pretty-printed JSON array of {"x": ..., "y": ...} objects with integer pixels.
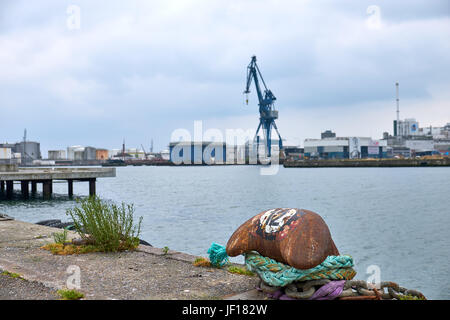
[
  {"x": 218, "y": 255},
  {"x": 277, "y": 274}
]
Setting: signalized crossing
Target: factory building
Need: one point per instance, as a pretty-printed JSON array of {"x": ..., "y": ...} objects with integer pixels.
[
  {"x": 101, "y": 154},
  {"x": 26, "y": 151},
  {"x": 80, "y": 153},
  {"x": 410, "y": 128},
  {"x": 293, "y": 152},
  {"x": 407, "y": 127},
  {"x": 364, "y": 147},
  {"x": 420, "y": 147},
  {"x": 56, "y": 154},
  {"x": 186, "y": 152},
  {"x": 90, "y": 153},
  {"x": 328, "y": 134},
  {"x": 328, "y": 148},
  {"x": 345, "y": 148},
  {"x": 5, "y": 155},
  {"x": 71, "y": 152}
]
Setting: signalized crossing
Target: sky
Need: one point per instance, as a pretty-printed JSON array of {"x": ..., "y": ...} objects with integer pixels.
[{"x": 94, "y": 73}]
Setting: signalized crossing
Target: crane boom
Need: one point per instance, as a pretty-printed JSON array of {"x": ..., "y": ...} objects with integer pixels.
[{"x": 267, "y": 111}]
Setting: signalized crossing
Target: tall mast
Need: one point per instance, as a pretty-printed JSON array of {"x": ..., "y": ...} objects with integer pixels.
[{"x": 398, "y": 109}]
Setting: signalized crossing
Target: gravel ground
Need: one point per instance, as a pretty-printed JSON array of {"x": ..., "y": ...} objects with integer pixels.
[{"x": 21, "y": 289}]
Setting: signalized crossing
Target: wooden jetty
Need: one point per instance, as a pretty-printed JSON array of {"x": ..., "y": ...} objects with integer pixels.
[{"x": 11, "y": 173}]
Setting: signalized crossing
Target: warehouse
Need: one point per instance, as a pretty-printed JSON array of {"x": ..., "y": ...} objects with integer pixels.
[
  {"x": 197, "y": 152},
  {"x": 328, "y": 148},
  {"x": 56, "y": 154},
  {"x": 345, "y": 148}
]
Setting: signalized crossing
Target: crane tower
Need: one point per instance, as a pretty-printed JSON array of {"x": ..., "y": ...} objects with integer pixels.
[{"x": 267, "y": 112}]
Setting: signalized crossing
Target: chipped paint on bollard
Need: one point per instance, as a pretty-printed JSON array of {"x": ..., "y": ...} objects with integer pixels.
[{"x": 297, "y": 237}]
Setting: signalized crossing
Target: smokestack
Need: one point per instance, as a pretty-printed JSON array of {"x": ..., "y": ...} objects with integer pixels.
[{"x": 398, "y": 109}]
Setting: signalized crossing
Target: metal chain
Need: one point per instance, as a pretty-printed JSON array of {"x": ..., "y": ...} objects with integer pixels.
[{"x": 353, "y": 290}]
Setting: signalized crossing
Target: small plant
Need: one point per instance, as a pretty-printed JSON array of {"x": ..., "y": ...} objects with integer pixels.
[
  {"x": 238, "y": 270},
  {"x": 165, "y": 250},
  {"x": 107, "y": 226},
  {"x": 11, "y": 274},
  {"x": 69, "y": 249},
  {"x": 70, "y": 294},
  {"x": 60, "y": 237},
  {"x": 410, "y": 297},
  {"x": 202, "y": 262}
]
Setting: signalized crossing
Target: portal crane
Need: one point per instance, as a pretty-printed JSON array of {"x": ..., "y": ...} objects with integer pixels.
[{"x": 267, "y": 111}]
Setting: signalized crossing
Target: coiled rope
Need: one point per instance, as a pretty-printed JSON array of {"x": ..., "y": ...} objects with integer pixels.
[{"x": 277, "y": 274}]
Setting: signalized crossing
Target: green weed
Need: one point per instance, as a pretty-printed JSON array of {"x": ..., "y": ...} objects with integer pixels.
[
  {"x": 60, "y": 237},
  {"x": 108, "y": 226},
  {"x": 70, "y": 294}
]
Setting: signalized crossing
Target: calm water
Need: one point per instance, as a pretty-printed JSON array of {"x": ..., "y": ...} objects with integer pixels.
[{"x": 395, "y": 218}]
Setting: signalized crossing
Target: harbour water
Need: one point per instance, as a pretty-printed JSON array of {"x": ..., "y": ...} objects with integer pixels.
[{"x": 392, "y": 220}]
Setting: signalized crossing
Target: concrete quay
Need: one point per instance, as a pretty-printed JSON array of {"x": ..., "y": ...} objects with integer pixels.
[
  {"x": 45, "y": 176},
  {"x": 146, "y": 273},
  {"x": 367, "y": 163}
]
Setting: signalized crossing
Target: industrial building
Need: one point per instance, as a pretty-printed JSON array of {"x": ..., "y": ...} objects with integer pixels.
[
  {"x": 80, "y": 153},
  {"x": 71, "y": 152},
  {"x": 23, "y": 152},
  {"x": 101, "y": 154},
  {"x": 328, "y": 134},
  {"x": 410, "y": 140},
  {"x": 293, "y": 152},
  {"x": 187, "y": 152},
  {"x": 329, "y": 148},
  {"x": 56, "y": 154},
  {"x": 345, "y": 148},
  {"x": 90, "y": 153}
]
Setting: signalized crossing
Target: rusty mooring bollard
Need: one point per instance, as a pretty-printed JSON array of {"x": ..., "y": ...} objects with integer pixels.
[{"x": 297, "y": 237}]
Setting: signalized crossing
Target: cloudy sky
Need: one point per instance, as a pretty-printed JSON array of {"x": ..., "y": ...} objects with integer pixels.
[{"x": 95, "y": 72}]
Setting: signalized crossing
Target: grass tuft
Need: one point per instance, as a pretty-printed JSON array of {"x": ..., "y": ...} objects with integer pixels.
[
  {"x": 238, "y": 270},
  {"x": 202, "y": 262},
  {"x": 70, "y": 294},
  {"x": 69, "y": 249},
  {"x": 108, "y": 226},
  {"x": 60, "y": 237},
  {"x": 410, "y": 297},
  {"x": 11, "y": 274}
]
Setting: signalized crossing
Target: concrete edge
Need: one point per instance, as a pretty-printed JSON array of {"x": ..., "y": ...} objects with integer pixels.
[{"x": 30, "y": 275}]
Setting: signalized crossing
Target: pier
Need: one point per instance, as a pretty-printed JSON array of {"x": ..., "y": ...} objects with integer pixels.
[{"x": 46, "y": 176}]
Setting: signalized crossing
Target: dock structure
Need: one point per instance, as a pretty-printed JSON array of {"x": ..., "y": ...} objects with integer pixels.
[{"x": 46, "y": 176}]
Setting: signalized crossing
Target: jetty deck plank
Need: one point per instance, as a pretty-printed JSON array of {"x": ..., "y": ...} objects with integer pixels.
[{"x": 57, "y": 174}]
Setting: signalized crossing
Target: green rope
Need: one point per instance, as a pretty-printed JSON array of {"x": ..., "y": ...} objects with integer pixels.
[
  {"x": 218, "y": 255},
  {"x": 277, "y": 274}
]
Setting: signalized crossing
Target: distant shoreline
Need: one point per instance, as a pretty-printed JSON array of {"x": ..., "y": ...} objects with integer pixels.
[{"x": 369, "y": 163}]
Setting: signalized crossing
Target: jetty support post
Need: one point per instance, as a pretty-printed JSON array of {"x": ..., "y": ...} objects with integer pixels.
[
  {"x": 2, "y": 186},
  {"x": 92, "y": 186},
  {"x": 9, "y": 189},
  {"x": 24, "y": 187},
  {"x": 33, "y": 187},
  {"x": 70, "y": 187},
  {"x": 47, "y": 188}
]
